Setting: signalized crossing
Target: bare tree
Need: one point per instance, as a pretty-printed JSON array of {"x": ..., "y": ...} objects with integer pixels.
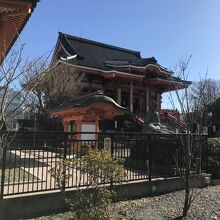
[
  {"x": 53, "y": 85},
  {"x": 61, "y": 82},
  {"x": 202, "y": 94},
  {"x": 204, "y": 91},
  {"x": 32, "y": 82},
  {"x": 12, "y": 95},
  {"x": 187, "y": 142}
]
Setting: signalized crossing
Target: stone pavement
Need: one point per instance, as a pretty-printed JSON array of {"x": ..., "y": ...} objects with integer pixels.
[{"x": 38, "y": 163}]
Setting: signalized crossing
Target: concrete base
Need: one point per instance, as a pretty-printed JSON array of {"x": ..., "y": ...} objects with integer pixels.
[
  {"x": 53, "y": 202},
  {"x": 216, "y": 182}
]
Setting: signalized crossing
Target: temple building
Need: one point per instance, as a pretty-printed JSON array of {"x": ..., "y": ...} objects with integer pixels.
[
  {"x": 124, "y": 76},
  {"x": 84, "y": 113}
]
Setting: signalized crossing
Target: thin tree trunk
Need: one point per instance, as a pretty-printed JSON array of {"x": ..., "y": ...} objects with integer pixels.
[
  {"x": 187, "y": 195},
  {"x": 187, "y": 176}
]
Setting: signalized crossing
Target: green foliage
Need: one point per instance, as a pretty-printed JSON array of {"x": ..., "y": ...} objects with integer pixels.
[
  {"x": 100, "y": 168},
  {"x": 214, "y": 146},
  {"x": 214, "y": 156},
  {"x": 91, "y": 204}
]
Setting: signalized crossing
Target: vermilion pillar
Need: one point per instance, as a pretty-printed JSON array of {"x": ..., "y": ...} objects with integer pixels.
[
  {"x": 131, "y": 96},
  {"x": 147, "y": 99}
]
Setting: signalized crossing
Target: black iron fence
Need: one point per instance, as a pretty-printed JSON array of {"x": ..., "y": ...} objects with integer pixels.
[{"x": 28, "y": 157}]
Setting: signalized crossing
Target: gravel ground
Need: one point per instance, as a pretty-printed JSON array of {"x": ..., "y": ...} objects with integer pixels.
[{"x": 165, "y": 207}]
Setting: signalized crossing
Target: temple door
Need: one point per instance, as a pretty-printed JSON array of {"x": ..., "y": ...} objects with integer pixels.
[{"x": 88, "y": 128}]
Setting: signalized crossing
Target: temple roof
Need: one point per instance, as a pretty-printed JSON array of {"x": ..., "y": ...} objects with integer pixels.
[
  {"x": 94, "y": 54},
  {"x": 88, "y": 100},
  {"x": 14, "y": 15},
  {"x": 134, "y": 62}
]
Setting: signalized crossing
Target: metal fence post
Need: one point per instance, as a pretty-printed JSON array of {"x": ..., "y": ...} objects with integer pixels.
[
  {"x": 205, "y": 155},
  {"x": 64, "y": 158},
  {"x": 112, "y": 153},
  {"x": 150, "y": 158},
  {"x": 3, "y": 171}
]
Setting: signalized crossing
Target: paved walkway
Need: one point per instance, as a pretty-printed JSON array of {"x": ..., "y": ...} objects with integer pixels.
[{"x": 38, "y": 163}]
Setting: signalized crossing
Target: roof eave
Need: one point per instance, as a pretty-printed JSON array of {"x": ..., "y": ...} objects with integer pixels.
[{"x": 34, "y": 4}]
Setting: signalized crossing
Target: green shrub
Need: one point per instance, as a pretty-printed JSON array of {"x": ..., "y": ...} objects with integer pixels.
[
  {"x": 214, "y": 157},
  {"x": 214, "y": 146},
  {"x": 99, "y": 167},
  {"x": 92, "y": 204}
]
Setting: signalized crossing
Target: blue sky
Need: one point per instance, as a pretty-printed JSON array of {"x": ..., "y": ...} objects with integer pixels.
[{"x": 165, "y": 29}]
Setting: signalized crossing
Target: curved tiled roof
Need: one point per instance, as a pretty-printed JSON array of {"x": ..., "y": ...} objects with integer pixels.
[
  {"x": 88, "y": 100},
  {"x": 94, "y": 54}
]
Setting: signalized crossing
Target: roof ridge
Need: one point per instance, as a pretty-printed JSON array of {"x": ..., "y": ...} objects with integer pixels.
[{"x": 101, "y": 44}]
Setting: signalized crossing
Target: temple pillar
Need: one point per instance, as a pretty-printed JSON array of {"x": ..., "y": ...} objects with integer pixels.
[
  {"x": 78, "y": 129},
  {"x": 97, "y": 129},
  {"x": 147, "y": 99},
  {"x": 131, "y": 96},
  {"x": 159, "y": 100},
  {"x": 119, "y": 96},
  {"x": 65, "y": 125}
]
